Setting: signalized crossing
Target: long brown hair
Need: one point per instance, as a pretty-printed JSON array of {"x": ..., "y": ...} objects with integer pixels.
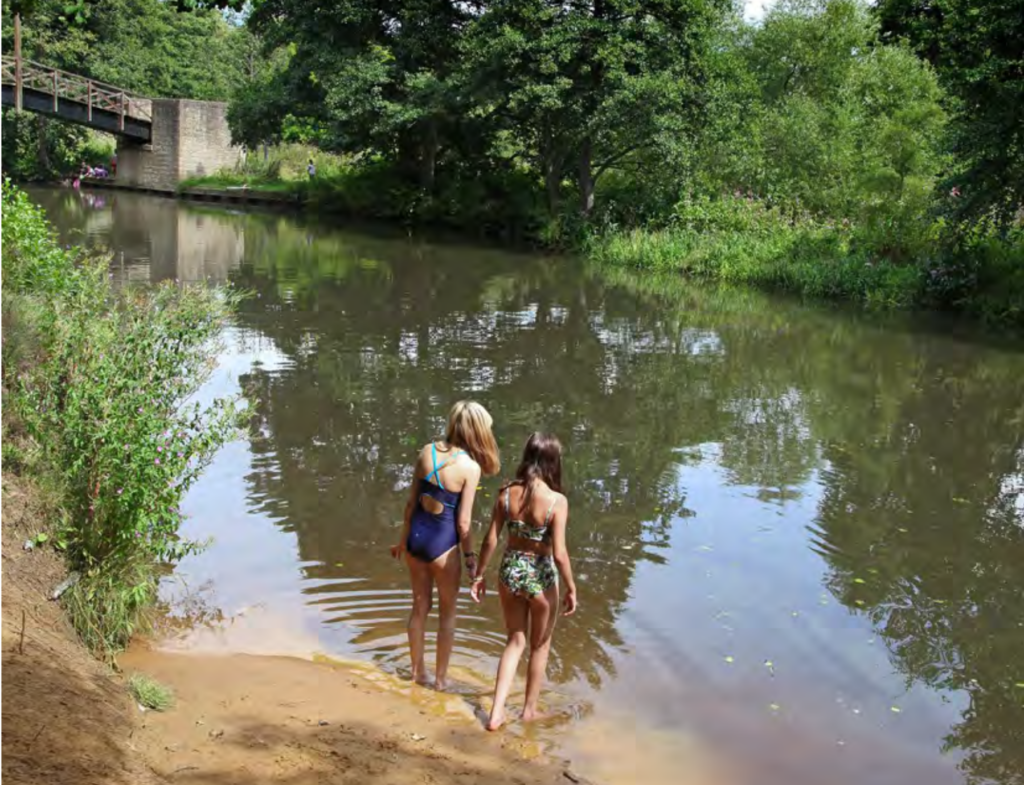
[
  {"x": 469, "y": 427},
  {"x": 542, "y": 460}
]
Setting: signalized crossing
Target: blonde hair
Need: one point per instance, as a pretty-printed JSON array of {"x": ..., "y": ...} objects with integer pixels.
[{"x": 469, "y": 427}]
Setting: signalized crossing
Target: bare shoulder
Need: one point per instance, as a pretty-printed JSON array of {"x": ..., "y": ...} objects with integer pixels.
[
  {"x": 423, "y": 457},
  {"x": 556, "y": 501}
]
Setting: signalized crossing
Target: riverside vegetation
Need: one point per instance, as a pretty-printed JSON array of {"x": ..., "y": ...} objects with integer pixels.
[
  {"x": 98, "y": 381},
  {"x": 834, "y": 148}
]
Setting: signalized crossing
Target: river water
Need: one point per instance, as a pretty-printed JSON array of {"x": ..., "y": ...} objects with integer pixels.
[{"x": 798, "y": 532}]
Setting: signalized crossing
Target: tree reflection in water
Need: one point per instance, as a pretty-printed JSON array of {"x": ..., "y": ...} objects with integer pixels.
[{"x": 915, "y": 439}]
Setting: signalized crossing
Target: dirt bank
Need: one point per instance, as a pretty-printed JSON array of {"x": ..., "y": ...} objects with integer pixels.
[{"x": 68, "y": 720}]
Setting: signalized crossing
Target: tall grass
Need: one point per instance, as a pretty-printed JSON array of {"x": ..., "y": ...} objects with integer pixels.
[
  {"x": 150, "y": 693},
  {"x": 977, "y": 269},
  {"x": 99, "y": 377}
]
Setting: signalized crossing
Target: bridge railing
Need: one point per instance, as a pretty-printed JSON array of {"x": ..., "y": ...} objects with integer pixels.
[{"x": 28, "y": 75}]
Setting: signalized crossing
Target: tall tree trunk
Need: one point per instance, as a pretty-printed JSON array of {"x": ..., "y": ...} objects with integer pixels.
[
  {"x": 551, "y": 163},
  {"x": 586, "y": 178},
  {"x": 428, "y": 156},
  {"x": 409, "y": 150}
]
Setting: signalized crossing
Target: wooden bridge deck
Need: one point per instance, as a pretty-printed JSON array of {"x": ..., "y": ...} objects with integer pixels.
[{"x": 77, "y": 99}]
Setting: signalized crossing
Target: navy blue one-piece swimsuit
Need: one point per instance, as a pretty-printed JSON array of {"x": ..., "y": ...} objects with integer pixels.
[{"x": 433, "y": 535}]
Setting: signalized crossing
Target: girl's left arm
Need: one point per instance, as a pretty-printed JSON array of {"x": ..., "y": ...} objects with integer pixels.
[
  {"x": 559, "y": 523},
  {"x": 464, "y": 523}
]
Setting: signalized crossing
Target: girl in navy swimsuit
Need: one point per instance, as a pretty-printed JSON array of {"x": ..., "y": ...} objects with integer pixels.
[{"x": 437, "y": 520}]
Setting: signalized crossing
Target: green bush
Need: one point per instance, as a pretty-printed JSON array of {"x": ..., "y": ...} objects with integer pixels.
[
  {"x": 737, "y": 239},
  {"x": 105, "y": 397},
  {"x": 98, "y": 150}
]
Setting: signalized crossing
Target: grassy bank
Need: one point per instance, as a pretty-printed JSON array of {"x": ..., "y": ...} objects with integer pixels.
[
  {"x": 97, "y": 378},
  {"x": 976, "y": 269},
  {"x": 985, "y": 281}
]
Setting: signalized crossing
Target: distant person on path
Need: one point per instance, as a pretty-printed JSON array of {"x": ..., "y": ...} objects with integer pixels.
[
  {"x": 113, "y": 165},
  {"x": 311, "y": 169},
  {"x": 536, "y": 513},
  {"x": 436, "y": 534}
]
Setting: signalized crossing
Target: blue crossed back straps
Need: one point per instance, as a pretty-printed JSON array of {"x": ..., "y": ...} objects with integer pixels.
[{"x": 436, "y": 471}]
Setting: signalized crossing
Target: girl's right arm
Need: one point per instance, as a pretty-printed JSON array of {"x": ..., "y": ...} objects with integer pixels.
[
  {"x": 397, "y": 551},
  {"x": 559, "y": 522},
  {"x": 490, "y": 544}
]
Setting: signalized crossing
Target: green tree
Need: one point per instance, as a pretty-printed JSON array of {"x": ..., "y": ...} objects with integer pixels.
[
  {"x": 377, "y": 76},
  {"x": 976, "y": 49},
  {"x": 841, "y": 116},
  {"x": 585, "y": 86}
]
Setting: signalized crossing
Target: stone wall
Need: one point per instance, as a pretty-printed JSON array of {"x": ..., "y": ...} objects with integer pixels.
[
  {"x": 204, "y": 139},
  {"x": 190, "y": 139}
]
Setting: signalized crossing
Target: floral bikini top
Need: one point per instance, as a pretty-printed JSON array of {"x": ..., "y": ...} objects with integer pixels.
[{"x": 522, "y": 529}]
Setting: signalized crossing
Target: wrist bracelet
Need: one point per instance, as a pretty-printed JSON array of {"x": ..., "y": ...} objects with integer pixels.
[{"x": 469, "y": 555}]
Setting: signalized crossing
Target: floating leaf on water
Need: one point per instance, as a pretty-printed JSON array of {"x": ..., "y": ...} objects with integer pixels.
[
  {"x": 960, "y": 500},
  {"x": 338, "y": 564},
  {"x": 794, "y": 614},
  {"x": 1019, "y": 684},
  {"x": 730, "y": 660},
  {"x": 774, "y": 706},
  {"x": 859, "y": 602},
  {"x": 705, "y": 548},
  {"x": 901, "y": 529},
  {"x": 895, "y": 709},
  {"x": 859, "y": 580}
]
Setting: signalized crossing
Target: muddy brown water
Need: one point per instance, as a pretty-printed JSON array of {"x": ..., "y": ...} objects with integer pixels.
[{"x": 798, "y": 531}]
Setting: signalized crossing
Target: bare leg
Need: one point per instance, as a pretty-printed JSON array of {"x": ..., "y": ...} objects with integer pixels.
[
  {"x": 447, "y": 573},
  {"x": 516, "y": 615},
  {"x": 422, "y": 597},
  {"x": 543, "y": 614}
]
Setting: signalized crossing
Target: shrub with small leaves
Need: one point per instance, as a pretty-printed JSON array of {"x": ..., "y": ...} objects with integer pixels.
[{"x": 109, "y": 399}]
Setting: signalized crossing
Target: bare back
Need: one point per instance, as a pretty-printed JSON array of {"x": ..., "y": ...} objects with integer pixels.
[{"x": 536, "y": 514}]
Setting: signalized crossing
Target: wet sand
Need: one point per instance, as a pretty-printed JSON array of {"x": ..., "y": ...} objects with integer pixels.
[{"x": 243, "y": 719}]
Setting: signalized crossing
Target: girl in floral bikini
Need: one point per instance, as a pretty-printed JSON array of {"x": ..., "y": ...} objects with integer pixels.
[{"x": 536, "y": 513}]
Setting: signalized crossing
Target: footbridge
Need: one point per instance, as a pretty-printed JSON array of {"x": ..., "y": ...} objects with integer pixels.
[{"x": 160, "y": 141}]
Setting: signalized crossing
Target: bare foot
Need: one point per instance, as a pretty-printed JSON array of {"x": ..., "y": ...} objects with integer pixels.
[
  {"x": 495, "y": 721},
  {"x": 421, "y": 679},
  {"x": 441, "y": 685},
  {"x": 533, "y": 715}
]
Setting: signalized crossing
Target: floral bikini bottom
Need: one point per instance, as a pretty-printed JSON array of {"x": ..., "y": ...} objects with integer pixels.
[{"x": 527, "y": 574}]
